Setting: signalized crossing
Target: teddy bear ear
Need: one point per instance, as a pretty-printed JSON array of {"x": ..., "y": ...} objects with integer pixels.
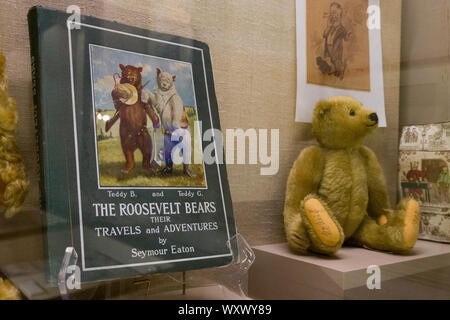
[
  {"x": 158, "y": 71},
  {"x": 122, "y": 67},
  {"x": 174, "y": 77},
  {"x": 140, "y": 69},
  {"x": 323, "y": 108}
]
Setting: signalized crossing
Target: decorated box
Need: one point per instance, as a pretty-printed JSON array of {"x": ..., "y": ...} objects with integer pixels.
[{"x": 424, "y": 175}]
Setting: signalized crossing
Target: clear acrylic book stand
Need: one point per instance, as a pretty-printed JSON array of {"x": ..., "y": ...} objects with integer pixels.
[{"x": 227, "y": 281}]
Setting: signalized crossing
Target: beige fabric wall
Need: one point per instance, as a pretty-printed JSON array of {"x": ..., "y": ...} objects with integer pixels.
[
  {"x": 253, "y": 48},
  {"x": 425, "y": 78}
]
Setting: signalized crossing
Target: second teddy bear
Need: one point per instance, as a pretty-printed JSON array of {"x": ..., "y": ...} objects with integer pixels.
[
  {"x": 13, "y": 181},
  {"x": 8, "y": 291},
  {"x": 336, "y": 191}
]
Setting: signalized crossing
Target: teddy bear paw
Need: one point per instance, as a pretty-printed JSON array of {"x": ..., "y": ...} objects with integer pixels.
[
  {"x": 322, "y": 224},
  {"x": 382, "y": 220}
]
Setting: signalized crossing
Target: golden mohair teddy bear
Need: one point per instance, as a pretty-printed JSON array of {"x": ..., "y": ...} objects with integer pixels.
[
  {"x": 13, "y": 181},
  {"x": 8, "y": 291},
  {"x": 336, "y": 191}
]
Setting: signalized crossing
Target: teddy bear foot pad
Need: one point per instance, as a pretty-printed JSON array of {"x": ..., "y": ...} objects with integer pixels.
[
  {"x": 321, "y": 222},
  {"x": 411, "y": 229}
]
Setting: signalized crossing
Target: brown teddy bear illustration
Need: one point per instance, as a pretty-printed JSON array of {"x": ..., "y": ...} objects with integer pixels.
[{"x": 133, "y": 112}]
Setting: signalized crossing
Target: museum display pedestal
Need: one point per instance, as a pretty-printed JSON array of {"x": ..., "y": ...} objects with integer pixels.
[
  {"x": 278, "y": 273},
  {"x": 29, "y": 278},
  {"x": 216, "y": 292}
]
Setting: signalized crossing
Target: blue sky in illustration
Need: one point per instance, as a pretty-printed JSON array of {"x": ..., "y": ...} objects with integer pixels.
[{"x": 105, "y": 62}]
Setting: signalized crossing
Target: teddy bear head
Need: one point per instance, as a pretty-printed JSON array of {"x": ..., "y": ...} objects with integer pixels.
[
  {"x": 165, "y": 79},
  {"x": 131, "y": 75},
  {"x": 342, "y": 122}
]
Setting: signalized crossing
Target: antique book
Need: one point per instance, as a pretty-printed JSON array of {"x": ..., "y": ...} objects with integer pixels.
[{"x": 126, "y": 177}]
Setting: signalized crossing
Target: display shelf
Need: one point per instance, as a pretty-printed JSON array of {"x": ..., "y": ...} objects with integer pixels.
[
  {"x": 221, "y": 283},
  {"x": 25, "y": 223},
  {"x": 216, "y": 292},
  {"x": 30, "y": 279},
  {"x": 278, "y": 273}
]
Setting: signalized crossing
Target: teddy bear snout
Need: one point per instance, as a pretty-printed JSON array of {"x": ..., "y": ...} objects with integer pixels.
[{"x": 373, "y": 117}]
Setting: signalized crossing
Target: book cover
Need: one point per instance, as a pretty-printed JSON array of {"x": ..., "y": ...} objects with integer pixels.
[{"x": 126, "y": 176}]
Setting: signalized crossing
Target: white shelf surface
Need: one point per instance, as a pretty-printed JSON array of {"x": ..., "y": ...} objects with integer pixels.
[{"x": 423, "y": 273}]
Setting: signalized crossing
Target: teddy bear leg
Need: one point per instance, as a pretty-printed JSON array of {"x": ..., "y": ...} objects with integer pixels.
[
  {"x": 145, "y": 146},
  {"x": 14, "y": 195},
  {"x": 8, "y": 291},
  {"x": 408, "y": 215},
  {"x": 129, "y": 143},
  {"x": 296, "y": 235},
  {"x": 398, "y": 233},
  {"x": 129, "y": 158},
  {"x": 325, "y": 233}
]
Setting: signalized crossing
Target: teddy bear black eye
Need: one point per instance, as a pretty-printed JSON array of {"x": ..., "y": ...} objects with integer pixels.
[{"x": 352, "y": 113}]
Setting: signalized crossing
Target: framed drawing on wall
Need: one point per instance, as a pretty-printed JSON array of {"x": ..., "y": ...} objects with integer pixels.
[{"x": 338, "y": 54}]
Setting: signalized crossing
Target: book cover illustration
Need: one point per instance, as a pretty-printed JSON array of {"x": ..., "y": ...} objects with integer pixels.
[
  {"x": 120, "y": 115},
  {"x": 113, "y": 72}
]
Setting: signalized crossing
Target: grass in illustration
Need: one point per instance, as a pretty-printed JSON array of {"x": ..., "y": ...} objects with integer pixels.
[{"x": 110, "y": 161}]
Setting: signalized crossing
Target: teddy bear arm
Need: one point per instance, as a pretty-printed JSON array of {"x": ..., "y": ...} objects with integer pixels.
[
  {"x": 14, "y": 195},
  {"x": 148, "y": 97},
  {"x": 8, "y": 291},
  {"x": 304, "y": 179},
  {"x": 177, "y": 111},
  {"x": 152, "y": 115},
  {"x": 116, "y": 100},
  {"x": 8, "y": 117},
  {"x": 378, "y": 204}
]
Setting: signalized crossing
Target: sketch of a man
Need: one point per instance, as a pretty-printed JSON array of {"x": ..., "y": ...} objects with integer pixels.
[
  {"x": 444, "y": 184},
  {"x": 335, "y": 34},
  {"x": 414, "y": 135},
  {"x": 407, "y": 136}
]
